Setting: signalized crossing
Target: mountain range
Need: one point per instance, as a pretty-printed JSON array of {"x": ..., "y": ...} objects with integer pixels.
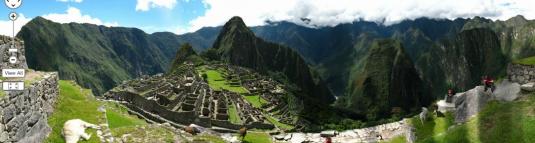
[{"x": 370, "y": 67}]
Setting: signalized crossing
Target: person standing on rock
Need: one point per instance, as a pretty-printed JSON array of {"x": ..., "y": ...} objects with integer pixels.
[
  {"x": 449, "y": 96},
  {"x": 489, "y": 84}
]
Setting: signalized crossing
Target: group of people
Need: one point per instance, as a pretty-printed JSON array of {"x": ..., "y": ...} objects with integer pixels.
[{"x": 487, "y": 82}]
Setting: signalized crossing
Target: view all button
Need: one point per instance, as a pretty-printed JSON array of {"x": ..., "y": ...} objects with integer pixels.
[{"x": 13, "y": 72}]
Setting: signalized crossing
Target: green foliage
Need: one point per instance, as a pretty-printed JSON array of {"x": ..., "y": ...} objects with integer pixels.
[
  {"x": 75, "y": 102},
  {"x": 209, "y": 138},
  {"x": 526, "y": 61},
  {"x": 210, "y": 54},
  {"x": 116, "y": 117},
  {"x": 398, "y": 139},
  {"x": 234, "y": 117},
  {"x": 277, "y": 123},
  {"x": 497, "y": 122},
  {"x": 96, "y": 57},
  {"x": 68, "y": 107},
  {"x": 257, "y": 137}
]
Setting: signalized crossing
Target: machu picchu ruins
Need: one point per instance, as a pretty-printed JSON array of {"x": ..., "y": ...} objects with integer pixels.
[{"x": 187, "y": 97}]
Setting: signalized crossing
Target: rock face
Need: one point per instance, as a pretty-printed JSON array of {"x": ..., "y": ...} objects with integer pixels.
[
  {"x": 388, "y": 80},
  {"x": 24, "y": 113},
  {"x": 521, "y": 73},
  {"x": 377, "y": 133},
  {"x": 5, "y": 45},
  {"x": 238, "y": 45}
]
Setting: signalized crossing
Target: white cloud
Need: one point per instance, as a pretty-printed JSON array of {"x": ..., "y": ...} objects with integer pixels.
[
  {"x": 75, "y": 15},
  {"x": 145, "y": 5},
  {"x": 76, "y": 1},
  {"x": 331, "y": 13},
  {"x": 7, "y": 25}
]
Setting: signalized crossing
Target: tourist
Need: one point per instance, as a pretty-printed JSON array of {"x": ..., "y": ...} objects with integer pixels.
[
  {"x": 328, "y": 140},
  {"x": 449, "y": 96},
  {"x": 488, "y": 83},
  {"x": 243, "y": 132}
]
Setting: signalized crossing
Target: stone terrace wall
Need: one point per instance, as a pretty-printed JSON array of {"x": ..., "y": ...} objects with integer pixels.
[
  {"x": 140, "y": 104},
  {"x": 521, "y": 73},
  {"x": 23, "y": 114}
]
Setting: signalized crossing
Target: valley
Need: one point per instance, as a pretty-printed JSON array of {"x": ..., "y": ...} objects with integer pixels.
[{"x": 354, "y": 82}]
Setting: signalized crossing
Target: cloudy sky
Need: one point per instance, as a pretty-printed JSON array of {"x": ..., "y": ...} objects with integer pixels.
[{"x": 181, "y": 16}]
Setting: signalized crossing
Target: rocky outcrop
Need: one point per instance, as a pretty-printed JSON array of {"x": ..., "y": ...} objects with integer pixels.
[
  {"x": 377, "y": 133},
  {"x": 521, "y": 73},
  {"x": 24, "y": 113}
]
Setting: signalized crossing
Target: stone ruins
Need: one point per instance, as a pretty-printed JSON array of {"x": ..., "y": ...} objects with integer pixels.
[{"x": 184, "y": 98}]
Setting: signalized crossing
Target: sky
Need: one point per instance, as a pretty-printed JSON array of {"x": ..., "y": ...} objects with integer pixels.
[{"x": 182, "y": 16}]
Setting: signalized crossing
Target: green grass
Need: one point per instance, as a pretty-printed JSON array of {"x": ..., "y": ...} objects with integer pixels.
[
  {"x": 73, "y": 103},
  {"x": 209, "y": 138},
  {"x": 497, "y": 122},
  {"x": 233, "y": 115},
  {"x": 398, "y": 139},
  {"x": 526, "y": 61},
  {"x": 118, "y": 116},
  {"x": 116, "y": 119},
  {"x": 278, "y": 124},
  {"x": 255, "y": 100},
  {"x": 256, "y": 137},
  {"x": 433, "y": 126},
  {"x": 217, "y": 82}
]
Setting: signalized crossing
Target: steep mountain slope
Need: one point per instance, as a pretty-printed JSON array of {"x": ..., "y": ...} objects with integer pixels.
[
  {"x": 237, "y": 44},
  {"x": 516, "y": 35},
  {"x": 388, "y": 80},
  {"x": 97, "y": 57}
]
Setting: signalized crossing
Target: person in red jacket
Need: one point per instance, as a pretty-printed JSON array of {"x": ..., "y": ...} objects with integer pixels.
[
  {"x": 328, "y": 140},
  {"x": 489, "y": 83}
]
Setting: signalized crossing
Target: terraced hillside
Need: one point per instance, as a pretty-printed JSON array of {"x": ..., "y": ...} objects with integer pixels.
[{"x": 218, "y": 96}]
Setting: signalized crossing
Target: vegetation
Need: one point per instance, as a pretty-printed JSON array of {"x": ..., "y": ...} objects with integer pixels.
[
  {"x": 116, "y": 116},
  {"x": 526, "y": 61},
  {"x": 277, "y": 123},
  {"x": 256, "y": 137},
  {"x": 68, "y": 107},
  {"x": 217, "y": 82},
  {"x": 255, "y": 100},
  {"x": 234, "y": 117},
  {"x": 209, "y": 138},
  {"x": 96, "y": 57},
  {"x": 398, "y": 139},
  {"x": 498, "y": 122}
]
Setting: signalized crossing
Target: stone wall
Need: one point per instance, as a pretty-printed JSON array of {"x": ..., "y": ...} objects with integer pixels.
[
  {"x": 23, "y": 114},
  {"x": 141, "y": 105},
  {"x": 521, "y": 73}
]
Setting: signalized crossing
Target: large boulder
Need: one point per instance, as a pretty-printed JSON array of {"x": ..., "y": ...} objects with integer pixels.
[{"x": 528, "y": 86}]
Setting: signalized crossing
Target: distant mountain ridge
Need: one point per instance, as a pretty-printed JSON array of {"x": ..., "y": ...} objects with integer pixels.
[
  {"x": 238, "y": 45},
  {"x": 97, "y": 57}
]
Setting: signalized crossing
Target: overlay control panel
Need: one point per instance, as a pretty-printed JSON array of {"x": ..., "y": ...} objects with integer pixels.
[{"x": 13, "y": 78}]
